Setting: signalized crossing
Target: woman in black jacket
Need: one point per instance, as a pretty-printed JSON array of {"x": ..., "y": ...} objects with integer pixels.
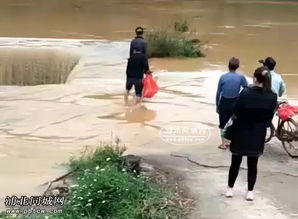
[{"x": 254, "y": 112}]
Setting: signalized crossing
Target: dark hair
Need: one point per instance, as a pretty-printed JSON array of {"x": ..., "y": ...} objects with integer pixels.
[
  {"x": 234, "y": 64},
  {"x": 262, "y": 75},
  {"x": 269, "y": 63},
  {"x": 139, "y": 30}
]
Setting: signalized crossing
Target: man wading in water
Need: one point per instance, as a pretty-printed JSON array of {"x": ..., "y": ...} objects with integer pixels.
[
  {"x": 137, "y": 66},
  {"x": 138, "y": 42}
]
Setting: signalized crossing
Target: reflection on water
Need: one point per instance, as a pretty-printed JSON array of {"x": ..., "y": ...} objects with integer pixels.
[
  {"x": 140, "y": 114},
  {"x": 134, "y": 114}
]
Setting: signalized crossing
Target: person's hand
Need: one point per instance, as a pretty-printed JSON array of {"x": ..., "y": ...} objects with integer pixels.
[{"x": 217, "y": 109}]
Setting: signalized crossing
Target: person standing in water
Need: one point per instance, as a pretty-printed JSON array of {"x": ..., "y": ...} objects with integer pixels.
[
  {"x": 278, "y": 84},
  {"x": 137, "y": 66},
  {"x": 229, "y": 86},
  {"x": 254, "y": 111},
  {"x": 138, "y": 42}
]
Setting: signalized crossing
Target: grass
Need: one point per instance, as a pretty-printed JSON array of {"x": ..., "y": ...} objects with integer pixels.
[
  {"x": 5, "y": 216},
  {"x": 105, "y": 188},
  {"x": 167, "y": 43}
]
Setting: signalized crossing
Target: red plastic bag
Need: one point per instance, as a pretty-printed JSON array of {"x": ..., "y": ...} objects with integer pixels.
[
  {"x": 150, "y": 87},
  {"x": 286, "y": 112}
]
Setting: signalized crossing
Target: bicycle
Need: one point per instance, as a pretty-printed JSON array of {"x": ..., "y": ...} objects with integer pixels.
[{"x": 286, "y": 132}]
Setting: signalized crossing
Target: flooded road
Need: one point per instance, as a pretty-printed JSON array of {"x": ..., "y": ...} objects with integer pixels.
[{"x": 250, "y": 30}]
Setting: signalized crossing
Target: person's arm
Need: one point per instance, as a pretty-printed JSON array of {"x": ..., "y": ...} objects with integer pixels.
[
  {"x": 244, "y": 82},
  {"x": 219, "y": 90},
  {"x": 282, "y": 88},
  {"x": 128, "y": 66},
  {"x": 146, "y": 65}
]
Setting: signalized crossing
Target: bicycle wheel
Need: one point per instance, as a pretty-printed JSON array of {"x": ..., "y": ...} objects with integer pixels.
[
  {"x": 270, "y": 133},
  {"x": 289, "y": 137}
]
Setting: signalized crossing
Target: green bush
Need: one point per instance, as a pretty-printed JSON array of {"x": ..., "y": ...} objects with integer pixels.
[
  {"x": 102, "y": 156},
  {"x": 110, "y": 193},
  {"x": 162, "y": 43}
]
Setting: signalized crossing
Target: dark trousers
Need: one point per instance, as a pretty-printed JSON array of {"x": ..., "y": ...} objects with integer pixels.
[
  {"x": 137, "y": 83},
  {"x": 252, "y": 163},
  {"x": 226, "y": 110}
]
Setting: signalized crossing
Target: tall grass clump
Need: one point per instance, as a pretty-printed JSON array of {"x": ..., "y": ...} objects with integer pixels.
[
  {"x": 105, "y": 188},
  {"x": 167, "y": 43}
]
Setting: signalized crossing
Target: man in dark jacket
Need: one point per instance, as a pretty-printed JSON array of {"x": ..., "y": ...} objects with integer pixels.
[
  {"x": 137, "y": 66},
  {"x": 138, "y": 42}
]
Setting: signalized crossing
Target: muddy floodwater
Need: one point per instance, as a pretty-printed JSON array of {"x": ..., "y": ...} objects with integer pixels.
[
  {"x": 247, "y": 29},
  {"x": 43, "y": 126}
]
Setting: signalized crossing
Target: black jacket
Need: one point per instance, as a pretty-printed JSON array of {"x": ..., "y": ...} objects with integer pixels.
[
  {"x": 137, "y": 65},
  {"x": 254, "y": 112},
  {"x": 138, "y": 42}
]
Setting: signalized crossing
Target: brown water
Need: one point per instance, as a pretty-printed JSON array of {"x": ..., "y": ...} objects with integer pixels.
[{"x": 250, "y": 30}]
